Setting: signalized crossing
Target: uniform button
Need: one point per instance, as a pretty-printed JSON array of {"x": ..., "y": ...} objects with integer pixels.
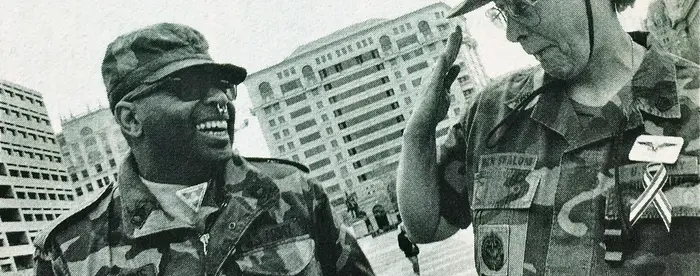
[
  {"x": 136, "y": 220},
  {"x": 663, "y": 103},
  {"x": 223, "y": 205},
  {"x": 232, "y": 226}
]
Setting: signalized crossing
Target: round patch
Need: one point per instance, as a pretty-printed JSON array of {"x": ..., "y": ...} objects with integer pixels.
[{"x": 492, "y": 251}]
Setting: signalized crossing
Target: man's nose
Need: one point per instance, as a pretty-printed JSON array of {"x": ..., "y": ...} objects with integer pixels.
[{"x": 216, "y": 96}]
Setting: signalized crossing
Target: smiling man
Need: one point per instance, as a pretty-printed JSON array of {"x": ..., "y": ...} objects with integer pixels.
[
  {"x": 586, "y": 164},
  {"x": 185, "y": 203}
]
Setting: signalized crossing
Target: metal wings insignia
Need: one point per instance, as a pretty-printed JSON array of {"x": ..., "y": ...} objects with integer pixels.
[{"x": 656, "y": 147}]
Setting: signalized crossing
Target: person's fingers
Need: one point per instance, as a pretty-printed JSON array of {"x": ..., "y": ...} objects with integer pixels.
[
  {"x": 451, "y": 76},
  {"x": 446, "y": 60},
  {"x": 438, "y": 73},
  {"x": 453, "y": 43}
]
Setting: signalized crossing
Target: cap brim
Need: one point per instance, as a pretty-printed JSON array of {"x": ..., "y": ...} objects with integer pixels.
[
  {"x": 230, "y": 72},
  {"x": 466, "y": 6}
]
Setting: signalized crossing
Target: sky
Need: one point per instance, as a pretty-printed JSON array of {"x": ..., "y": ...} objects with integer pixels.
[{"x": 57, "y": 48}]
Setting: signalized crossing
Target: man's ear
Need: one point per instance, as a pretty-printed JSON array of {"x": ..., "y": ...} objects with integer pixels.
[{"x": 125, "y": 114}]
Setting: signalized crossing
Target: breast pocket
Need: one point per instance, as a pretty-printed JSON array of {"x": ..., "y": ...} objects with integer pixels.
[
  {"x": 501, "y": 202},
  {"x": 682, "y": 190},
  {"x": 294, "y": 256}
]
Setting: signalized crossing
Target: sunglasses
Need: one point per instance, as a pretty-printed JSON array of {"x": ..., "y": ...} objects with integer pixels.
[{"x": 189, "y": 89}]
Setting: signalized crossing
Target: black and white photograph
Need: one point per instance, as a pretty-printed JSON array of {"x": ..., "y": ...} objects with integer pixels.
[{"x": 350, "y": 138}]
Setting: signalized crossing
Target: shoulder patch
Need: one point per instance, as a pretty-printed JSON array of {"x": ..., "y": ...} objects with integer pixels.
[
  {"x": 74, "y": 214},
  {"x": 278, "y": 161}
]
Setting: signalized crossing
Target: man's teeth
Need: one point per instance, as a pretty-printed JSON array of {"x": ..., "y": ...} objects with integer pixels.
[
  {"x": 210, "y": 126},
  {"x": 216, "y": 133}
]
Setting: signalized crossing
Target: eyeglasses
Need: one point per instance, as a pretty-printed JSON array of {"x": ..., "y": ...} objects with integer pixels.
[
  {"x": 190, "y": 89},
  {"x": 521, "y": 11}
]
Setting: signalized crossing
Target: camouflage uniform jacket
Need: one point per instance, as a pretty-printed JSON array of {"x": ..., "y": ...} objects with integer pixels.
[
  {"x": 544, "y": 200},
  {"x": 272, "y": 221}
]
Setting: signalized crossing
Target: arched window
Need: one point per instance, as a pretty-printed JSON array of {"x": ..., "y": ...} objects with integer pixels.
[
  {"x": 385, "y": 41},
  {"x": 85, "y": 131},
  {"x": 308, "y": 73},
  {"x": 424, "y": 28},
  {"x": 265, "y": 90}
]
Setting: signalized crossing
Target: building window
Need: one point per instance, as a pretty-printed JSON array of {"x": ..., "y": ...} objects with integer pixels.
[
  {"x": 290, "y": 145},
  {"x": 416, "y": 82},
  {"x": 265, "y": 90},
  {"x": 112, "y": 163},
  {"x": 89, "y": 187},
  {"x": 289, "y": 86},
  {"x": 424, "y": 28},
  {"x": 84, "y": 173},
  {"x": 74, "y": 177},
  {"x": 276, "y": 135},
  {"x": 308, "y": 73},
  {"x": 98, "y": 168},
  {"x": 100, "y": 184},
  {"x": 285, "y": 132},
  {"x": 385, "y": 43},
  {"x": 309, "y": 138},
  {"x": 281, "y": 149},
  {"x": 79, "y": 191},
  {"x": 272, "y": 123}
]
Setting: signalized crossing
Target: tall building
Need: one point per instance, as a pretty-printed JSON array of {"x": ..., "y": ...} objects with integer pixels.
[
  {"x": 339, "y": 104},
  {"x": 34, "y": 184},
  {"x": 93, "y": 148},
  {"x": 674, "y": 26}
]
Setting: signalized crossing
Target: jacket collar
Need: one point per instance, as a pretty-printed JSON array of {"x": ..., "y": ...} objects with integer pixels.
[
  {"x": 142, "y": 214},
  {"x": 653, "y": 90}
]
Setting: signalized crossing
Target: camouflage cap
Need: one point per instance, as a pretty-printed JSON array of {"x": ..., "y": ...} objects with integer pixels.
[
  {"x": 134, "y": 61},
  {"x": 466, "y": 6}
]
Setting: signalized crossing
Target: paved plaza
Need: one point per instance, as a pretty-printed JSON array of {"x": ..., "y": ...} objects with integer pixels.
[{"x": 453, "y": 256}]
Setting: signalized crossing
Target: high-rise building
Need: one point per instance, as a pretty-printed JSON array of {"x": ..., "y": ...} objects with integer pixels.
[
  {"x": 93, "y": 148},
  {"x": 673, "y": 25},
  {"x": 339, "y": 104},
  {"x": 34, "y": 184}
]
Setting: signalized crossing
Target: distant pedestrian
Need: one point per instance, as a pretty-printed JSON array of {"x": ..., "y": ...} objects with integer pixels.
[{"x": 409, "y": 248}]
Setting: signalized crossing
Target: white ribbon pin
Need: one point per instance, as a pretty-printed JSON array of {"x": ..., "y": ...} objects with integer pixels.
[{"x": 657, "y": 151}]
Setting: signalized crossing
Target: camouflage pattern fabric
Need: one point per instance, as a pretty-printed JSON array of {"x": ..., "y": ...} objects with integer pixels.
[
  {"x": 539, "y": 199},
  {"x": 272, "y": 220}
]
